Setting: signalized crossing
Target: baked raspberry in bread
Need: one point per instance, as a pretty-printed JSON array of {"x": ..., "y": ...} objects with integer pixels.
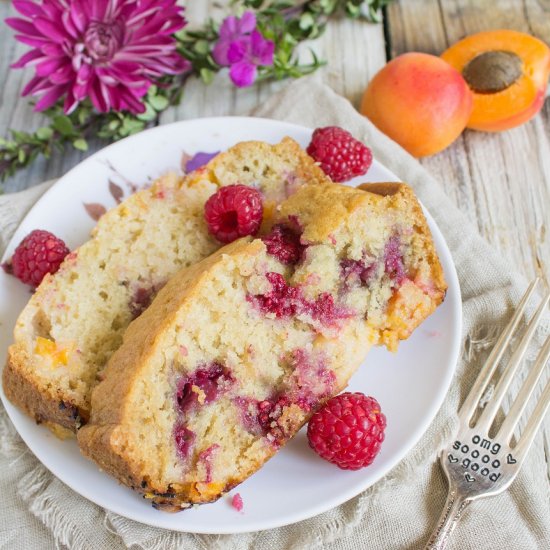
[
  {"x": 236, "y": 352},
  {"x": 76, "y": 318}
]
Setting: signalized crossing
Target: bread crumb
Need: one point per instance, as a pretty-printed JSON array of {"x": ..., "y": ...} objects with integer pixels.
[{"x": 237, "y": 502}]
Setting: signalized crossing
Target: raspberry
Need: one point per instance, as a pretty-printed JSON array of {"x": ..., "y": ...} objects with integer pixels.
[
  {"x": 184, "y": 439},
  {"x": 237, "y": 502},
  {"x": 284, "y": 243},
  {"x": 234, "y": 211},
  {"x": 211, "y": 380},
  {"x": 282, "y": 300},
  {"x": 339, "y": 154},
  {"x": 357, "y": 271},
  {"x": 393, "y": 260},
  {"x": 40, "y": 252},
  {"x": 348, "y": 430}
]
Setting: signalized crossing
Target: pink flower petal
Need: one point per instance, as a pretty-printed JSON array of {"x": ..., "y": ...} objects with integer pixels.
[
  {"x": 29, "y": 9},
  {"x": 228, "y": 27},
  {"x": 84, "y": 73},
  {"x": 53, "y": 8},
  {"x": 23, "y": 26},
  {"x": 70, "y": 104},
  {"x": 133, "y": 103},
  {"x": 99, "y": 9},
  {"x": 99, "y": 97},
  {"x": 248, "y": 22},
  {"x": 50, "y": 29},
  {"x": 53, "y": 50},
  {"x": 219, "y": 52},
  {"x": 78, "y": 16},
  {"x": 62, "y": 75},
  {"x": 69, "y": 25},
  {"x": 32, "y": 41},
  {"x": 140, "y": 16},
  {"x": 243, "y": 74},
  {"x": 45, "y": 68},
  {"x": 261, "y": 50},
  {"x": 27, "y": 58},
  {"x": 237, "y": 50},
  {"x": 50, "y": 98},
  {"x": 36, "y": 85},
  {"x": 83, "y": 82}
]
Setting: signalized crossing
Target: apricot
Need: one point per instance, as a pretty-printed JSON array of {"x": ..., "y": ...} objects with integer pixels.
[
  {"x": 507, "y": 72},
  {"x": 420, "y": 101}
]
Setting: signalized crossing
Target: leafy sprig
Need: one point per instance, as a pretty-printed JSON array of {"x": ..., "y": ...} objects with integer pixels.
[{"x": 286, "y": 22}]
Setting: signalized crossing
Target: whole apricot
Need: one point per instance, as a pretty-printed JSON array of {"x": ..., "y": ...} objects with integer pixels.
[{"x": 419, "y": 101}]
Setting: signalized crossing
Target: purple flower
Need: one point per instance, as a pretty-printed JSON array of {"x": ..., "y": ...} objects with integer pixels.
[
  {"x": 232, "y": 30},
  {"x": 198, "y": 160},
  {"x": 245, "y": 60},
  {"x": 108, "y": 50},
  {"x": 242, "y": 48}
]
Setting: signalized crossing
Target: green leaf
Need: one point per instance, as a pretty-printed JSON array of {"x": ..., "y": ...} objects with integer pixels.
[
  {"x": 45, "y": 133},
  {"x": 207, "y": 75},
  {"x": 131, "y": 126},
  {"x": 21, "y": 156},
  {"x": 159, "y": 102},
  {"x": 63, "y": 125},
  {"x": 114, "y": 124},
  {"x": 83, "y": 114},
  {"x": 306, "y": 21},
  {"x": 81, "y": 144},
  {"x": 149, "y": 114},
  {"x": 20, "y": 137},
  {"x": 202, "y": 47}
]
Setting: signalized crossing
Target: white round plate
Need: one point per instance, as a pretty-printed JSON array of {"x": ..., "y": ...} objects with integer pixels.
[{"x": 296, "y": 484}]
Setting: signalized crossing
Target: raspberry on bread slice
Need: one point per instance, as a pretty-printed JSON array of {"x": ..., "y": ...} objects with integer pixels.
[
  {"x": 76, "y": 318},
  {"x": 238, "y": 351}
]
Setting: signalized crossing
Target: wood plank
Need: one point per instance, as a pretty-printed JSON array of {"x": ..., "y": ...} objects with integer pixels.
[{"x": 500, "y": 181}]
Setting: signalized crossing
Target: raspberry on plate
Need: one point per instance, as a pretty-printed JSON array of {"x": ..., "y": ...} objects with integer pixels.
[
  {"x": 40, "y": 252},
  {"x": 234, "y": 211},
  {"x": 348, "y": 431},
  {"x": 284, "y": 243},
  {"x": 340, "y": 155}
]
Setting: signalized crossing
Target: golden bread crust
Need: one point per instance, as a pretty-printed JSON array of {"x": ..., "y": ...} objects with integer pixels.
[{"x": 28, "y": 394}]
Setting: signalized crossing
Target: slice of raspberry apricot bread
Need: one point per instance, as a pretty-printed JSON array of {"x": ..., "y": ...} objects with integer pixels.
[
  {"x": 76, "y": 318},
  {"x": 238, "y": 351}
]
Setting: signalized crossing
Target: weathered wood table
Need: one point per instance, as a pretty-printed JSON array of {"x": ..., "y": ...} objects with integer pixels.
[{"x": 500, "y": 181}]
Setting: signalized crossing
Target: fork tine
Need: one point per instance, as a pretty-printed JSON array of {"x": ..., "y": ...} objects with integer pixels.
[
  {"x": 490, "y": 410},
  {"x": 470, "y": 404},
  {"x": 533, "y": 425},
  {"x": 508, "y": 426}
]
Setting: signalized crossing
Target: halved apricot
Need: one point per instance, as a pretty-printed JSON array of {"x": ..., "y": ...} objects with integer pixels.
[{"x": 507, "y": 72}]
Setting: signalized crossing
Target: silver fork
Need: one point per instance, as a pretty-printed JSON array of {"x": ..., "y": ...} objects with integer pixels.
[{"x": 477, "y": 465}]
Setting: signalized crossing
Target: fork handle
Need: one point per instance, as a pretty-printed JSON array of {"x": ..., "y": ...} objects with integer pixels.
[{"x": 454, "y": 506}]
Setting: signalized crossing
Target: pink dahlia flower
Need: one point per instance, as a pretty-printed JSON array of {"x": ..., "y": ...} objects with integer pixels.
[{"x": 108, "y": 50}]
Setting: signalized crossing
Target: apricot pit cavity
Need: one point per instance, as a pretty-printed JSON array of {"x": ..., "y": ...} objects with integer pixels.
[{"x": 493, "y": 71}]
